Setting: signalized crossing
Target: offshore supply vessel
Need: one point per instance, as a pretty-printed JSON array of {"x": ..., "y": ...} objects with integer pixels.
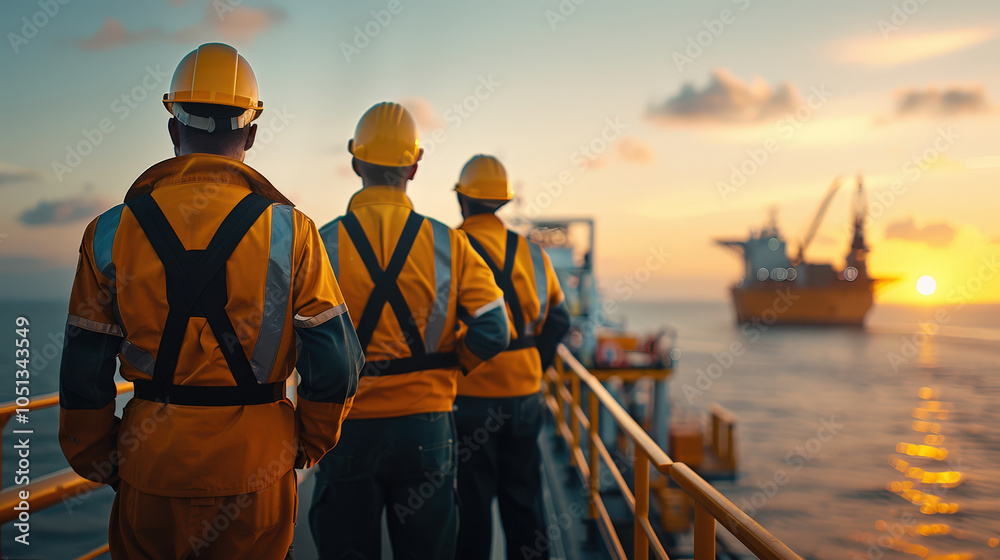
[{"x": 779, "y": 289}]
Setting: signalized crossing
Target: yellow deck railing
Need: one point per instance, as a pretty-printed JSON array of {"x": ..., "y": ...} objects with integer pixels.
[
  {"x": 562, "y": 387},
  {"x": 50, "y": 489}
]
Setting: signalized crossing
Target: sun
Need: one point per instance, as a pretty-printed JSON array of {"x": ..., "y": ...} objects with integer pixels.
[{"x": 926, "y": 285}]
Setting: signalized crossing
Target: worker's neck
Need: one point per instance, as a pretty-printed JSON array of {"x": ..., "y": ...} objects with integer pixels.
[
  {"x": 400, "y": 187},
  {"x": 224, "y": 153},
  {"x": 466, "y": 215}
]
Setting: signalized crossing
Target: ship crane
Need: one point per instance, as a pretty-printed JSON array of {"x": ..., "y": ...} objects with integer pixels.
[{"x": 817, "y": 220}]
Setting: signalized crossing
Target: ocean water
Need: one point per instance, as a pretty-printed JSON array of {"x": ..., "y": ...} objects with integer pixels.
[
  {"x": 821, "y": 412},
  {"x": 77, "y": 525}
]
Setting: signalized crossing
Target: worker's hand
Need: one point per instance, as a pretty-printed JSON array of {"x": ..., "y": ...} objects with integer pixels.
[{"x": 467, "y": 361}]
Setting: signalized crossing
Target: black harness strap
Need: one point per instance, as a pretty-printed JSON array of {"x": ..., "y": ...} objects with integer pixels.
[
  {"x": 196, "y": 287},
  {"x": 386, "y": 291},
  {"x": 396, "y": 366},
  {"x": 505, "y": 280},
  {"x": 205, "y": 395}
]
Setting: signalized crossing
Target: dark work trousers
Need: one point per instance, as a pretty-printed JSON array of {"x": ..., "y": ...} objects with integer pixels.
[
  {"x": 405, "y": 464},
  {"x": 498, "y": 456}
]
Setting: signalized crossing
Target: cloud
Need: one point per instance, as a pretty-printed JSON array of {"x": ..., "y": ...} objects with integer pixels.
[
  {"x": 634, "y": 150},
  {"x": 938, "y": 235},
  {"x": 984, "y": 162},
  {"x": 222, "y": 20},
  {"x": 423, "y": 112},
  {"x": 63, "y": 211},
  {"x": 946, "y": 101},
  {"x": 728, "y": 99},
  {"x": 599, "y": 161},
  {"x": 906, "y": 48},
  {"x": 10, "y": 173},
  {"x": 113, "y": 34}
]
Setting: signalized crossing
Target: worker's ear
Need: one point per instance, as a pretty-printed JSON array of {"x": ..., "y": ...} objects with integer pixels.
[
  {"x": 413, "y": 170},
  {"x": 251, "y": 136}
]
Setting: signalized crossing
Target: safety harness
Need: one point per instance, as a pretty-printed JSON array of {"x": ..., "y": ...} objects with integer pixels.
[
  {"x": 505, "y": 280},
  {"x": 387, "y": 290},
  {"x": 196, "y": 287}
]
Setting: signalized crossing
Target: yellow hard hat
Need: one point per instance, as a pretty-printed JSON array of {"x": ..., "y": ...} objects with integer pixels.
[
  {"x": 215, "y": 74},
  {"x": 485, "y": 178},
  {"x": 386, "y": 135}
]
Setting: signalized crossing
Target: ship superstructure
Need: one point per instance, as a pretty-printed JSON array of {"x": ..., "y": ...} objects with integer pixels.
[{"x": 777, "y": 288}]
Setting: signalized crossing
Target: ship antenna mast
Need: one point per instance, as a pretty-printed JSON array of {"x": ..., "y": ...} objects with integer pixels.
[
  {"x": 817, "y": 220},
  {"x": 857, "y": 258}
]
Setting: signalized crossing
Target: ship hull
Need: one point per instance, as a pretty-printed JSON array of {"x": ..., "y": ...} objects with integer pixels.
[{"x": 781, "y": 303}]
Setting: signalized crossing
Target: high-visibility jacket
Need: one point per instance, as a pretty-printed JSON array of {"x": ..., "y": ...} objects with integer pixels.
[
  {"x": 535, "y": 304},
  {"x": 409, "y": 279},
  {"x": 225, "y": 427}
]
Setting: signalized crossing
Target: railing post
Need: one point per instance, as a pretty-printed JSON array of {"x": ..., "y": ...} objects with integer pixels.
[
  {"x": 641, "y": 489},
  {"x": 592, "y": 454},
  {"x": 716, "y": 434},
  {"x": 730, "y": 447},
  {"x": 557, "y": 392},
  {"x": 574, "y": 427},
  {"x": 704, "y": 533},
  {"x": 709, "y": 503}
]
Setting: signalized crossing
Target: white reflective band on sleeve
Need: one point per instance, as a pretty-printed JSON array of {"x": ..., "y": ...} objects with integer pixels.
[
  {"x": 95, "y": 326},
  {"x": 302, "y": 321},
  {"x": 499, "y": 302}
]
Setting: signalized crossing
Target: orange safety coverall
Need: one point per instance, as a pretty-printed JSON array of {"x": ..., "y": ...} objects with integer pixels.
[
  {"x": 408, "y": 279},
  {"x": 185, "y": 471},
  {"x": 501, "y": 399},
  {"x": 443, "y": 279},
  {"x": 518, "y": 371}
]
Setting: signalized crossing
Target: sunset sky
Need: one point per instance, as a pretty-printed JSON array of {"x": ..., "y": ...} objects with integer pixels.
[{"x": 672, "y": 123}]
